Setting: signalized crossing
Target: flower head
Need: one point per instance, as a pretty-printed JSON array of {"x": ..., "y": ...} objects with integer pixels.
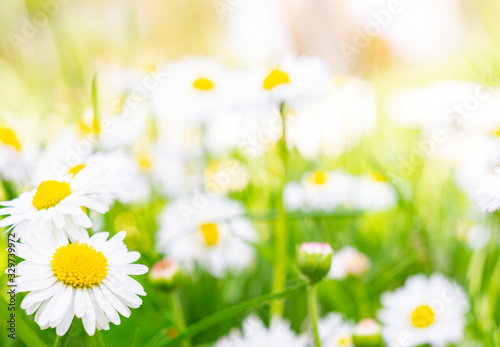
[
  {"x": 314, "y": 260},
  {"x": 426, "y": 310},
  {"x": 88, "y": 279}
]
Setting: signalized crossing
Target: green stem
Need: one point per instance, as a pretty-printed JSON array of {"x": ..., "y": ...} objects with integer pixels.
[
  {"x": 281, "y": 237},
  {"x": 62, "y": 341},
  {"x": 312, "y": 303},
  {"x": 100, "y": 340},
  {"x": 179, "y": 315},
  {"x": 231, "y": 312}
]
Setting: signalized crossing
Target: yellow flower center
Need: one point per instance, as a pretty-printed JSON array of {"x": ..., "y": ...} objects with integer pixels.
[
  {"x": 74, "y": 170},
  {"x": 210, "y": 233},
  {"x": 498, "y": 132},
  {"x": 8, "y": 138},
  {"x": 319, "y": 178},
  {"x": 93, "y": 129},
  {"x": 275, "y": 78},
  {"x": 345, "y": 341},
  {"x": 203, "y": 84},
  {"x": 50, "y": 193},
  {"x": 422, "y": 317},
  {"x": 145, "y": 163},
  {"x": 379, "y": 177},
  {"x": 79, "y": 265}
]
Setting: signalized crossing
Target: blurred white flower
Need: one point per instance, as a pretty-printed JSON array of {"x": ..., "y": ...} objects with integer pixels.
[
  {"x": 319, "y": 190},
  {"x": 293, "y": 80},
  {"x": 452, "y": 106},
  {"x": 335, "y": 332},
  {"x": 89, "y": 279},
  {"x": 256, "y": 334},
  {"x": 425, "y": 310},
  {"x": 336, "y": 124},
  {"x": 488, "y": 190},
  {"x": 193, "y": 90},
  {"x": 417, "y": 31},
  {"x": 325, "y": 191},
  {"x": 348, "y": 261},
  {"x": 211, "y": 233},
  {"x": 16, "y": 159},
  {"x": 476, "y": 236}
]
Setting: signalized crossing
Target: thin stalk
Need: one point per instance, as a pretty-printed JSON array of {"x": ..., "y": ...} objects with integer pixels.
[
  {"x": 281, "y": 235},
  {"x": 229, "y": 313},
  {"x": 62, "y": 341},
  {"x": 179, "y": 315},
  {"x": 312, "y": 303}
]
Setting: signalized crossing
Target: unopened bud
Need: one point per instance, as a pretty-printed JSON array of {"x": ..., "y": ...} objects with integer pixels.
[
  {"x": 314, "y": 260},
  {"x": 367, "y": 334},
  {"x": 166, "y": 274}
]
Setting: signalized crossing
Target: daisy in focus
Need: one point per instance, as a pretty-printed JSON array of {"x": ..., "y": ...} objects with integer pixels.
[
  {"x": 425, "y": 310},
  {"x": 54, "y": 208},
  {"x": 255, "y": 334},
  {"x": 212, "y": 234},
  {"x": 89, "y": 279},
  {"x": 335, "y": 332}
]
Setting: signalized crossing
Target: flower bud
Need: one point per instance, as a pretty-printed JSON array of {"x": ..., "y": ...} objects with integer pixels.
[
  {"x": 367, "y": 334},
  {"x": 166, "y": 274},
  {"x": 314, "y": 260}
]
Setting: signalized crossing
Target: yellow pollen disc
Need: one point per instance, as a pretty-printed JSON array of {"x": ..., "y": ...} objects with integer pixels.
[
  {"x": 203, "y": 84},
  {"x": 345, "y": 341},
  {"x": 210, "y": 233},
  {"x": 79, "y": 265},
  {"x": 50, "y": 193},
  {"x": 76, "y": 169},
  {"x": 379, "y": 178},
  {"x": 498, "y": 132},
  {"x": 422, "y": 317},
  {"x": 8, "y": 138},
  {"x": 145, "y": 163},
  {"x": 319, "y": 178},
  {"x": 275, "y": 78}
]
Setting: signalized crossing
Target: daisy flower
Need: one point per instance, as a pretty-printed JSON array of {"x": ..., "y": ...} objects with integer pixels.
[
  {"x": 255, "y": 334},
  {"x": 319, "y": 191},
  {"x": 488, "y": 191},
  {"x": 54, "y": 208},
  {"x": 348, "y": 261},
  {"x": 16, "y": 159},
  {"x": 426, "y": 310},
  {"x": 475, "y": 236},
  {"x": 335, "y": 332},
  {"x": 121, "y": 175},
  {"x": 294, "y": 79},
  {"x": 88, "y": 279},
  {"x": 213, "y": 234},
  {"x": 338, "y": 122},
  {"x": 373, "y": 193},
  {"x": 195, "y": 90}
]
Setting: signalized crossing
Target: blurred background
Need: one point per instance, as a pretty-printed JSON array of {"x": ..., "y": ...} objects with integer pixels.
[{"x": 51, "y": 50}]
